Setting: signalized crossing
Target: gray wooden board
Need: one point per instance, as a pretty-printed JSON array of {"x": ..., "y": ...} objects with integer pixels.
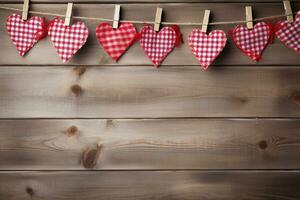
[
  {"x": 150, "y": 144},
  {"x": 147, "y": 92},
  {"x": 148, "y": 185}
]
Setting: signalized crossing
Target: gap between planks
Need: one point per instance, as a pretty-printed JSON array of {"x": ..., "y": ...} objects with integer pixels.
[
  {"x": 160, "y": 68},
  {"x": 153, "y": 118},
  {"x": 144, "y": 2},
  {"x": 162, "y": 170}
]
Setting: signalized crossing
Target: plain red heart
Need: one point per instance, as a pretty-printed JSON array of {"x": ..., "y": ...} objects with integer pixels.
[
  {"x": 24, "y": 34},
  {"x": 157, "y": 45},
  {"x": 205, "y": 47},
  {"x": 252, "y": 42},
  {"x": 289, "y": 33},
  {"x": 67, "y": 39},
  {"x": 116, "y": 41}
]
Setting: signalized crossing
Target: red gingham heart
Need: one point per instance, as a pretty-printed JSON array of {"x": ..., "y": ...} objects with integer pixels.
[
  {"x": 205, "y": 47},
  {"x": 252, "y": 42},
  {"x": 116, "y": 41},
  {"x": 157, "y": 45},
  {"x": 67, "y": 39},
  {"x": 24, "y": 34},
  {"x": 289, "y": 33}
]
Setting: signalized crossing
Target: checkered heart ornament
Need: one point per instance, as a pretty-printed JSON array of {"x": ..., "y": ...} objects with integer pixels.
[
  {"x": 206, "y": 48},
  {"x": 24, "y": 34},
  {"x": 289, "y": 33},
  {"x": 252, "y": 42},
  {"x": 116, "y": 41},
  {"x": 157, "y": 45},
  {"x": 67, "y": 40}
]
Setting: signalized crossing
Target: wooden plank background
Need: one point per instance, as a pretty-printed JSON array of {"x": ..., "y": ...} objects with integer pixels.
[
  {"x": 144, "y": 185},
  {"x": 96, "y": 129},
  {"x": 151, "y": 144},
  {"x": 115, "y": 92}
]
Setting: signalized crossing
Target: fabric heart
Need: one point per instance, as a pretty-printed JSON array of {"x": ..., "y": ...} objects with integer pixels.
[
  {"x": 158, "y": 45},
  {"x": 116, "y": 41},
  {"x": 252, "y": 42},
  {"x": 289, "y": 33},
  {"x": 24, "y": 34},
  {"x": 206, "y": 48},
  {"x": 67, "y": 39}
]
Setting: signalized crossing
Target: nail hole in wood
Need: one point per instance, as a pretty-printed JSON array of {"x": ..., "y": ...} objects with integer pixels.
[
  {"x": 263, "y": 144},
  {"x": 90, "y": 157},
  {"x": 30, "y": 191},
  {"x": 72, "y": 130},
  {"x": 76, "y": 90}
]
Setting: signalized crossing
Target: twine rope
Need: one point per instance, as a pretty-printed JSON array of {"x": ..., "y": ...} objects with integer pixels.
[{"x": 150, "y": 22}]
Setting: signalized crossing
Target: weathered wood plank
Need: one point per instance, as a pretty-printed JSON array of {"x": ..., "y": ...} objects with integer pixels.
[
  {"x": 150, "y": 144},
  {"x": 146, "y": 185},
  {"x": 142, "y": 92},
  {"x": 92, "y": 53}
]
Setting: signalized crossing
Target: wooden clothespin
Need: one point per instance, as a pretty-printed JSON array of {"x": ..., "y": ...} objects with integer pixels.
[
  {"x": 25, "y": 10},
  {"x": 288, "y": 10},
  {"x": 205, "y": 20},
  {"x": 249, "y": 18},
  {"x": 158, "y": 19},
  {"x": 116, "y": 16},
  {"x": 68, "y": 14}
]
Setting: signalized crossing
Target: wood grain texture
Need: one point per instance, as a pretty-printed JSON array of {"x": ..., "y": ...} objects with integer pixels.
[
  {"x": 147, "y": 92},
  {"x": 150, "y": 144},
  {"x": 93, "y": 54},
  {"x": 225, "y": 159},
  {"x": 145, "y": 185}
]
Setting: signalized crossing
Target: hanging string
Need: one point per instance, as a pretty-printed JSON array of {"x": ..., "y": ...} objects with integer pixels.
[{"x": 149, "y": 22}]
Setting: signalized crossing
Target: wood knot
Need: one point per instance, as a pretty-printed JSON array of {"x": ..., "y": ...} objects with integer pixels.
[
  {"x": 296, "y": 97},
  {"x": 79, "y": 70},
  {"x": 110, "y": 123},
  {"x": 263, "y": 144},
  {"x": 90, "y": 157},
  {"x": 30, "y": 191},
  {"x": 72, "y": 130},
  {"x": 76, "y": 89}
]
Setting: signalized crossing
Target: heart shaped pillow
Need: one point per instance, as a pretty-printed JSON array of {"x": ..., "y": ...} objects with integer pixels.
[
  {"x": 252, "y": 42},
  {"x": 157, "y": 45},
  {"x": 289, "y": 33},
  {"x": 116, "y": 41},
  {"x": 24, "y": 34},
  {"x": 205, "y": 47},
  {"x": 67, "y": 39}
]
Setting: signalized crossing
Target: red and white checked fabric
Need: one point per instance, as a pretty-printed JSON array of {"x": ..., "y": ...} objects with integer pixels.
[
  {"x": 157, "y": 45},
  {"x": 24, "y": 34},
  {"x": 67, "y": 39},
  {"x": 205, "y": 47},
  {"x": 252, "y": 42},
  {"x": 116, "y": 41},
  {"x": 289, "y": 33}
]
